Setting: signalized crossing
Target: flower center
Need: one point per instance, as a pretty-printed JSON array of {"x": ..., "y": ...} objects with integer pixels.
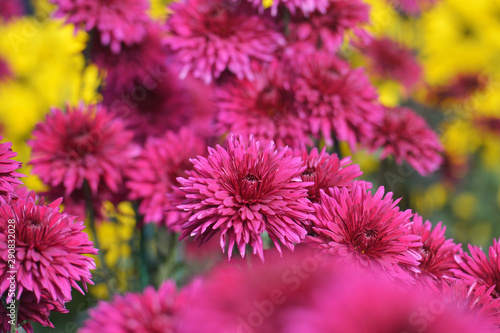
[
  {"x": 34, "y": 222},
  {"x": 309, "y": 171},
  {"x": 252, "y": 178}
]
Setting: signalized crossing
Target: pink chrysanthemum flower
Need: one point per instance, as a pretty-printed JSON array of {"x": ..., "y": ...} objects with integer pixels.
[
  {"x": 413, "y": 7},
  {"x": 10, "y": 9},
  {"x": 153, "y": 175},
  {"x": 369, "y": 231},
  {"x": 473, "y": 302},
  {"x": 306, "y": 7},
  {"x": 211, "y": 36},
  {"x": 50, "y": 249},
  {"x": 326, "y": 171},
  {"x": 477, "y": 267},
  {"x": 391, "y": 60},
  {"x": 134, "y": 64},
  {"x": 406, "y": 136},
  {"x": 243, "y": 191},
  {"x": 262, "y": 107},
  {"x": 338, "y": 102},
  {"x": 31, "y": 310},
  {"x": 150, "y": 312},
  {"x": 118, "y": 21},
  {"x": 460, "y": 88},
  {"x": 9, "y": 177},
  {"x": 326, "y": 30},
  {"x": 5, "y": 72},
  {"x": 85, "y": 144},
  {"x": 437, "y": 252}
]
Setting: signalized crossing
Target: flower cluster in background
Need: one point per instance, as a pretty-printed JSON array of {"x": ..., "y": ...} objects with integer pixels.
[{"x": 250, "y": 166}]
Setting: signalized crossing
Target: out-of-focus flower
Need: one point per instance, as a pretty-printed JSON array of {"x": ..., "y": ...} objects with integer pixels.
[
  {"x": 369, "y": 231},
  {"x": 244, "y": 191},
  {"x": 296, "y": 7},
  {"x": 153, "y": 175},
  {"x": 476, "y": 267},
  {"x": 262, "y": 107},
  {"x": 152, "y": 311},
  {"x": 326, "y": 30},
  {"x": 118, "y": 21},
  {"x": 413, "y": 7},
  {"x": 460, "y": 88},
  {"x": 406, "y": 136},
  {"x": 210, "y": 37},
  {"x": 9, "y": 177},
  {"x": 438, "y": 253},
  {"x": 391, "y": 60},
  {"x": 10, "y": 9},
  {"x": 338, "y": 102},
  {"x": 30, "y": 309},
  {"x": 50, "y": 249},
  {"x": 5, "y": 71},
  {"x": 134, "y": 63},
  {"x": 326, "y": 171}
]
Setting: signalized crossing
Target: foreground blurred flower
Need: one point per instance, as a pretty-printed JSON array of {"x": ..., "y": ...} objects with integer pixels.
[
  {"x": 50, "y": 249},
  {"x": 304, "y": 7},
  {"x": 437, "y": 252},
  {"x": 154, "y": 174},
  {"x": 86, "y": 144},
  {"x": 211, "y": 36},
  {"x": 10, "y": 9},
  {"x": 326, "y": 30},
  {"x": 326, "y": 171},
  {"x": 338, "y": 102},
  {"x": 406, "y": 136},
  {"x": 262, "y": 107},
  {"x": 391, "y": 60},
  {"x": 8, "y": 175},
  {"x": 244, "y": 191},
  {"x": 118, "y": 21},
  {"x": 366, "y": 230},
  {"x": 150, "y": 312},
  {"x": 5, "y": 71},
  {"x": 477, "y": 267}
]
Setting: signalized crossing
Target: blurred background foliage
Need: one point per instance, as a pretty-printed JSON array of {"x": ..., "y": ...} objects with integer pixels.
[{"x": 456, "y": 41}]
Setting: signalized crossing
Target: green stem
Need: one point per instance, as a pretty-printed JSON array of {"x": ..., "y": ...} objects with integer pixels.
[{"x": 144, "y": 269}]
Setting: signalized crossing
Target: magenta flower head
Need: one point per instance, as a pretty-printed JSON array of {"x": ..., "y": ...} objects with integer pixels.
[
  {"x": 85, "y": 144},
  {"x": 407, "y": 136},
  {"x": 212, "y": 36},
  {"x": 244, "y": 191},
  {"x": 50, "y": 249},
  {"x": 326, "y": 30},
  {"x": 10, "y": 9},
  {"x": 413, "y": 7},
  {"x": 438, "y": 253},
  {"x": 391, "y": 60},
  {"x": 9, "y": 177},
  {"x": 326, "y": 171},
  {"x": 153, "y": 175},
  {"x": 153, "y": 311},
  {"x": 366, "y": 230},
  {"x": 118, "y": 21},
  {"x": 338, "y": 102},
  {"x": 5, "y": 71},
  {"x": 477, "y": 267},
  {"x": 263, "y": 107},
  {"x": 296, "y": 7}
]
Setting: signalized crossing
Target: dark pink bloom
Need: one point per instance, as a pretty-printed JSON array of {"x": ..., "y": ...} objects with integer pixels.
[
  {"x": 338, "y": 102},
  {"x": 413, "y": 7},
  {"x": 391, "y": 60},
  {"x": 326, "y": 30},
  {"x": 10, "y": 9},
  {"x": 369, "y": 231},
  {"x": 460, "y": 88},
  {"x": 85, "y": 144},
  {"x": 263, "y": 107},
  {"x": 477, "y": 267},
  {"x": 118, "y": 21},
  {"x": 153, "y": 175},
  {"x": 438, "y": 253},
  {"x": 326, "y": 171},
  {"x": 406, "y": 136},
  {"x": 50, "y": 249},
  {"x": 9, "y": 177},
  {"x": 212, "y": 36},
  {"x": 243, "y": 191},
  {"x": 135, "y": 63},
  {"x": 5, "y": 72},
  {"x": 305, "y": 7},
  {"x": 150, "y": 312}
]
